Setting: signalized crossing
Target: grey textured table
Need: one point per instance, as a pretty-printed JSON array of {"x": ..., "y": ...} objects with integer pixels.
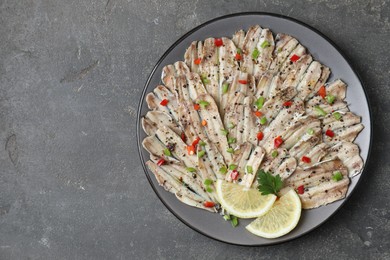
[{"x": 71, "y": 183}]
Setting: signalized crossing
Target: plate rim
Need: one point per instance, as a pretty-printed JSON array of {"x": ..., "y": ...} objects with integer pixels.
[{"x": 183, "y": 37}]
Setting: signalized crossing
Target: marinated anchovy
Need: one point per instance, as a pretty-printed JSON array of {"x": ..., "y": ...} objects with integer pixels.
[
  {"x": 309, "y": 80},
  {"x": 209, "y": 68},
  {"x": 290, "y": 64},
  {"x": 214, "y": 126},
  {"x": 319, "y": 186},
  {"x": 249, "y": 49},
  {"x": 157, "y": 119},
  {"x": 293, "y": 77},
  {"x": 254, "y": 162},
  {"x": 265, "y": 46},
  {"x": 175, "y": 186},
  {"x": 284, "y": 45},
  {"x": 348, "y": 153},
  {"x": 238, "y": 38}
]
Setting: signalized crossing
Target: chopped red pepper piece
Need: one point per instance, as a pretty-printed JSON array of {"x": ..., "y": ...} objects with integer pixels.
[
  {"x": 218, "y": 42},
  {"x": 234, "y": 175},
  {"x": 329, "y": 133},
  {"x": 322, "y": 92},
  {"x": 260, "y": 136},
  {"x": 209, "y": 204},
  {"x": 294, "y": 58},
  {"x": 242, "y": 81},
  {"x": 258, "y": 113},
  {"x": 196, "y": 141},
  {"x": 197, "y": 61},
  {"x": 238, "y": 56},
  {"x": 161, "y": 162},
  {"x": 287, "y": 104},
  {"x": 191, "y": 149},
  {"x": 183, "y": 137},
  {"x": 196, "y": 106},
  {"x": 306, "y": 159},
  {"x": 301, "y": 189},
  {"x": 278, "y": 141},
  {"x": 204, "y": 122},
  {"x": 164, "y": 102}
]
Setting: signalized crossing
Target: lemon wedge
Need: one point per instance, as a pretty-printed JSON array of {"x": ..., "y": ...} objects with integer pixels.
[
  {"x": 280, "y": 219},
  {"x": 241, "y": 201}
]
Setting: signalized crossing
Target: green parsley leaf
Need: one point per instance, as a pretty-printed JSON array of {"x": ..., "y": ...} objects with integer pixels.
[
  {"x": 190, "y": 169},
  {"x": 268, "y": 184}
]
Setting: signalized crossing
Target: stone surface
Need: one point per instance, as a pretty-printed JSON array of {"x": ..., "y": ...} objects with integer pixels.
[{"x": 71, "y": 183}]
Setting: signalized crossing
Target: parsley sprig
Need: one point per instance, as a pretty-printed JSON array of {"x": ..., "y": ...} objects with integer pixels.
[{"x": 268, "y": 184}]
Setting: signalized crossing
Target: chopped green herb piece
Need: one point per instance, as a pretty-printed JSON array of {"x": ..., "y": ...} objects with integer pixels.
[
  {"x": 330, "y": 99},
  {"x": 204, "y": 79},
  {"x": 190, "y": 169},
  {"x": 202, "y": 143},
  {"x": 167, "y": 152},
  {"x": 239, "y": 51},
  {"x": 231, "y": 125},
  {"x": 249, "y": 169},
  {"x": 232, "y": 167},
  {"x": 268, "y": 184},
  {"x": 234, "y": 221},
  {"x": 274, "y": 153},
  {"x": 208, "y": 189},
  {"x": 208, "y": 182},
  {"x": 337, "y": 115},
  {"x": 260, "y": 102},
  {"x": 337, "y": 176},
  {"x": 265, "y": 44},
  {"x": 203, "y": 103},
  {"x": 201, "y": 153},
  {"x": 280, "y": 50},
  {"x": 223, "y": 170},
  {"x": 255, "y": 53},
  {"x": 224, "y": 131},
  {"x": 310, "y": 131},
  {"x": 230, "y": 150},
  {"x": 320, "y": 111},
  {"x": 263, "y": 120},
  {"x": 226, "y": 217},
  {"x": 225, "y": 88},
  {"x": 231, "y": 140}
]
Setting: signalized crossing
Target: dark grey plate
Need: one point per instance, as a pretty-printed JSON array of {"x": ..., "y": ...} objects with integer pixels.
[{"x": 323, "y": 50}]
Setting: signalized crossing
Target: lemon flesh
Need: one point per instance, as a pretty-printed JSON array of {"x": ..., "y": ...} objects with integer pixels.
[
  {"x": 280, "y": 219},
  {"x": 241, "y": 201}
]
